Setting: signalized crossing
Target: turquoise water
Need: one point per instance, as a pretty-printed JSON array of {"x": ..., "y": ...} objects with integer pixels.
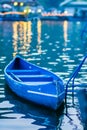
[{"x": 56, "y": 46}]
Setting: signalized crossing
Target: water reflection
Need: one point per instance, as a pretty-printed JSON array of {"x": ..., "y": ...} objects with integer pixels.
[
  {"x": 13, "y": 107},
  {"x": 39, "y": 37},
  {"x": 15, "y": 37},
  {"x": 21, "y": 37},
  {"x": 65, "y": 30},
  {"x": 53, "y": 45}
]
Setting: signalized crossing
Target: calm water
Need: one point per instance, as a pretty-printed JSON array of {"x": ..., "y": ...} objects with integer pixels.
[{"x": 56, "y": 46}]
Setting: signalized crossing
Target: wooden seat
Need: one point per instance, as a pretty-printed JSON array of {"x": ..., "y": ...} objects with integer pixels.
[{"x": 35, "y": 78}]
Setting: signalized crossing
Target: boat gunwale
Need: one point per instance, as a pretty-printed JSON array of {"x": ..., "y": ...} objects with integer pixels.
[{"x": 50, "y": 72}]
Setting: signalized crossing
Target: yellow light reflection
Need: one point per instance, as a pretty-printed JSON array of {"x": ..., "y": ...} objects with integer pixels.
[
  {"x": 65, "y": 26},
  {"x": 39, "y": 36},
  {"x": 15, "y": 37},
  {"x": 21, "y": 37},
  {"x": 26, "y": 38},
  {"x": 29, "y": 32}
]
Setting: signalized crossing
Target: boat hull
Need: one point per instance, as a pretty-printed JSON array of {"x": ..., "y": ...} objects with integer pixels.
[{"x": 50, "y": 93}]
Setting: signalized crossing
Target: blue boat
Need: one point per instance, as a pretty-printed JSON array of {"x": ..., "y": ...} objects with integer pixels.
[{"x": 34, "y": 83}]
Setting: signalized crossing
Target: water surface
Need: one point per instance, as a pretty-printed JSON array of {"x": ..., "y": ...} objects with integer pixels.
[{"x": 56, "y": 46}]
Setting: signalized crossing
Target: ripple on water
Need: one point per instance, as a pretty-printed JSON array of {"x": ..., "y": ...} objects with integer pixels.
[
  {"x": 12, "y": 115},
  {"x": 50, "y": 44},
  {"x": 57, "y": 42},
  {"x": 53, "y": 63},
  {"x": 33, "y": 59},
  {"x": 22, "y": 124},
  {"x": 47, "y": 37},
  {"x": 2, "y": 93},
  {"x": 2, "y": 59},
  {"x": 2, "y": 76},
  {"x": 6, "y": 104},
  {"x": 70, "y": 124}
]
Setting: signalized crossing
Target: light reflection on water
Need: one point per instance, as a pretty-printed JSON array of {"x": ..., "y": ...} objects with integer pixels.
[{"x": 52, "y": 45}]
